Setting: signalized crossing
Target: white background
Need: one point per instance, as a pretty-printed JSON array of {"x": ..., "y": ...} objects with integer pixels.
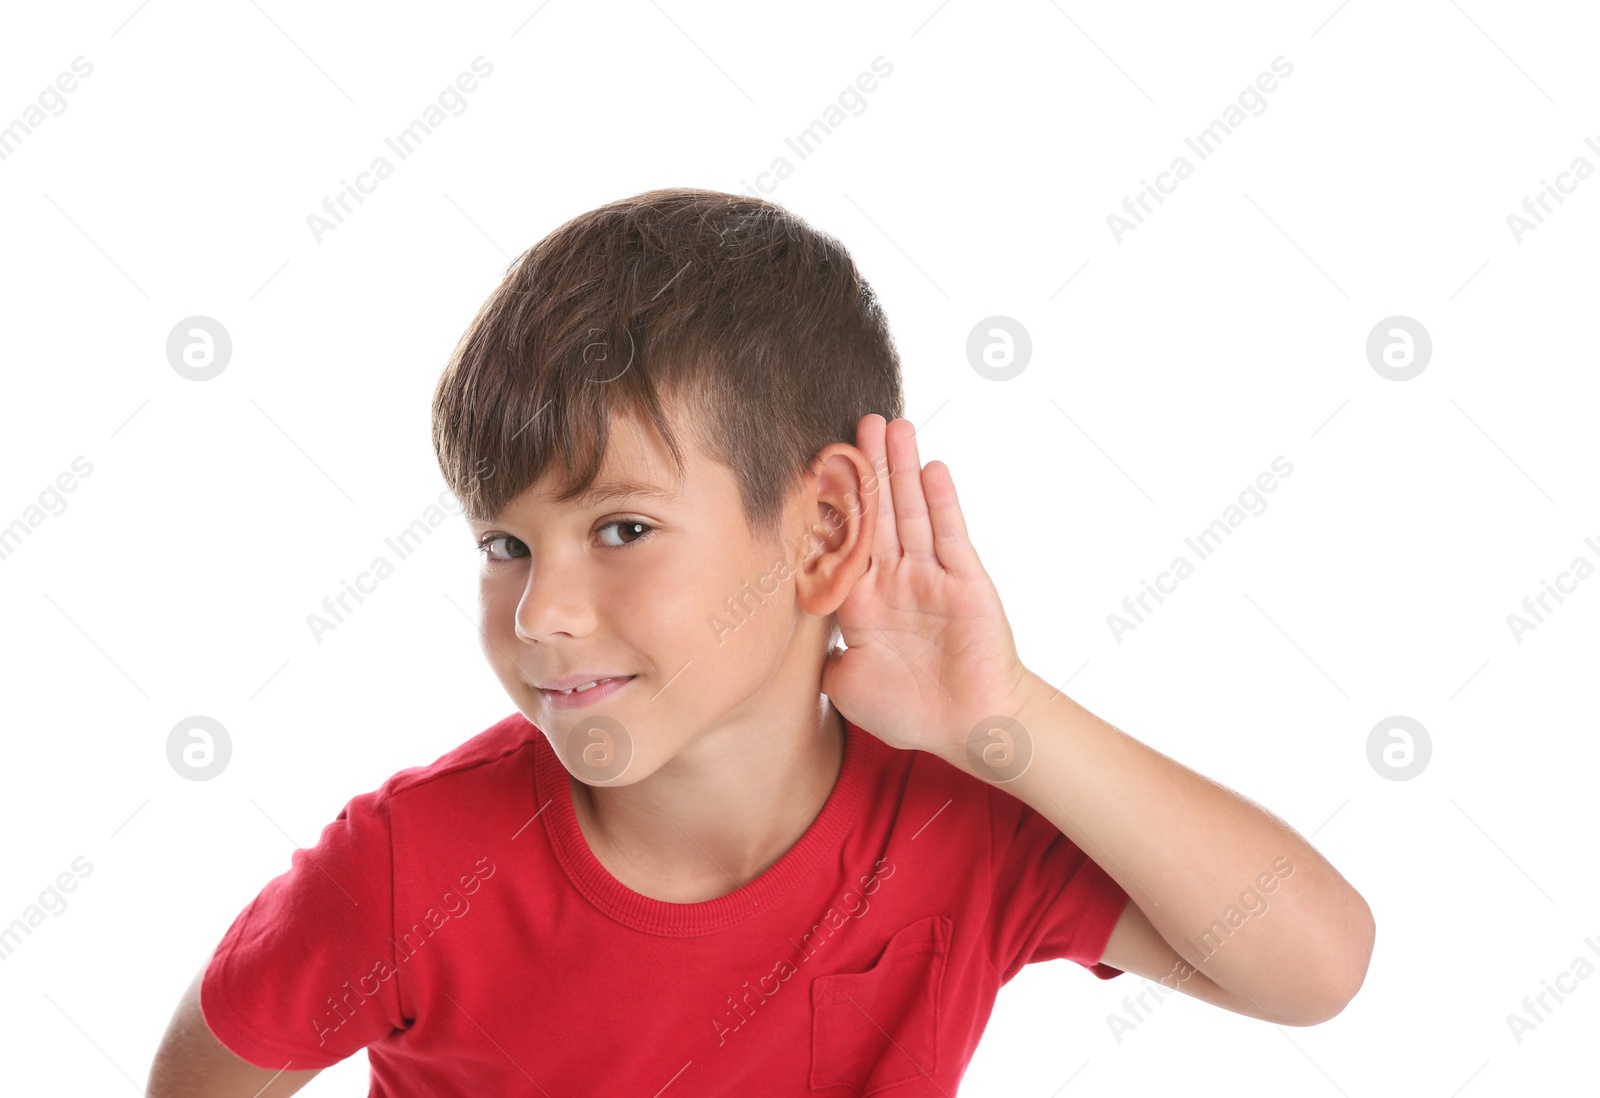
[{"x": 1228, "y": 329}]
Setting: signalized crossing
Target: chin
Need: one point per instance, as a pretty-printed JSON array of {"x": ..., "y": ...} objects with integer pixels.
[
  {"x": 599, "y": 756},
  {"x": 631, "y": 777}
]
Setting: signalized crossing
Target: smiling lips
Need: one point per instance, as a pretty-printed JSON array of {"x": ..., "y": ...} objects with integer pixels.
[
  {"x": 584, "y": 690},
  {"x": 589, "y": 685}
]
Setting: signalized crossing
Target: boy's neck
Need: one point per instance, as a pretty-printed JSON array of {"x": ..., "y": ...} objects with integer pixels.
[{"x": 687, "y": 838}]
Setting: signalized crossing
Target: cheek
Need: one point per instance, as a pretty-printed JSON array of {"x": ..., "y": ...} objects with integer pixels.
[
  {"x": 753, "y": 609},
  {"x": 668, "y": 602},
  {"x": 498, "y": 597},
  {"x": 685, "y": 604}
]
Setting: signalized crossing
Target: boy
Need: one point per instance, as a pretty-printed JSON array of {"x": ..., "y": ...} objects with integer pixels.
[{"x": 747, "y": 861}]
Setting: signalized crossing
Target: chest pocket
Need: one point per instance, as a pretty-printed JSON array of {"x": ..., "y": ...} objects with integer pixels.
[{"x": 880, "y": 1027}]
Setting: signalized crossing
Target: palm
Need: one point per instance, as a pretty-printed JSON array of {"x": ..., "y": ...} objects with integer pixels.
[{"x": 930, "y": 652}]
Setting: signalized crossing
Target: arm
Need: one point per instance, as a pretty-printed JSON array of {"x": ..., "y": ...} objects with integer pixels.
[
  {"x": 1135, "y": 946},
  {"x": 192, "y": 1063},
  {"x": 1258, "y": 920},
  {"x": 1229, "y": 904}
]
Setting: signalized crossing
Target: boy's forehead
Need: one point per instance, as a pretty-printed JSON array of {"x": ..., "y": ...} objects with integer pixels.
[
  {"x": 613, "y": 484},
  {"x": 633, "y": 469},
  {"x": 637, "y": 466}
]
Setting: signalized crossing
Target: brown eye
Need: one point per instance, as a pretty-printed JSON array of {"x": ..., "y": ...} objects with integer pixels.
[
  {"x": 514, "y": 547},
  {"x": 631, "y": 530}
]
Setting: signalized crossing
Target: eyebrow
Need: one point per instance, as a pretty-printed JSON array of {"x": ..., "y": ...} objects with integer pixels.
[
  {"x": 622, "y": 488},
  {"x": 603, "y": 490}
]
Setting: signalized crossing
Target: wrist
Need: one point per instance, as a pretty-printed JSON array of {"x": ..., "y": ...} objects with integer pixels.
[{"x": 999, "y": 746}]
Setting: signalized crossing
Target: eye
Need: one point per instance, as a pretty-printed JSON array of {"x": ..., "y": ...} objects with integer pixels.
[
  {"x": 631, "y": 531},
  {"x": 489, "y": 539},
  {"x": 632, "y": 527}
]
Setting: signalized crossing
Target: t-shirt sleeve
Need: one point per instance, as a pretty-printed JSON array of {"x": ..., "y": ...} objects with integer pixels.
[
  {"x": 306, "y": 974},
  {"x": 1050, "y": 899}
]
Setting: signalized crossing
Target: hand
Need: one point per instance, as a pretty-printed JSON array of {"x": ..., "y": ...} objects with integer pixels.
[{"x": 930, "y": 651}]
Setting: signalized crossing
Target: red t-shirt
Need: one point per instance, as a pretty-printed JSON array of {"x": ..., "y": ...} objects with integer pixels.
[{"x": 456, "y": 924}]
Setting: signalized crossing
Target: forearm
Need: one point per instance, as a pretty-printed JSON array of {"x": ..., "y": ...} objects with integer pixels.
[
  {"x": 1231, "y": 887},
  {"x": 192, "y": 1063}
]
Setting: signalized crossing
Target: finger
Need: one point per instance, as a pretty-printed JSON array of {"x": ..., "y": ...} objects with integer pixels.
[
  {"x": 905, "y": 479},
  {"x": 870, "y": 440},
  {"x": 950, "y": 539}
]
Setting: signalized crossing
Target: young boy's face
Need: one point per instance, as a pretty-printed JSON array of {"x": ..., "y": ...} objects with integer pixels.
[{"x": 636, "y": 585}]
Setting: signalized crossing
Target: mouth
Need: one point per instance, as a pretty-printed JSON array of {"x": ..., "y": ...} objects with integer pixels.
[{"x": 585, "y": 694}]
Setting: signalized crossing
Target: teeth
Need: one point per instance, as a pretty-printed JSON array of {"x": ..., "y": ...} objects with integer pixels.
[{"x": 585, "y": 686}]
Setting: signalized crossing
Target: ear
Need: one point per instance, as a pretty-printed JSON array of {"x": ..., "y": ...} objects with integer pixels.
[{"x": 839, "y": 505}]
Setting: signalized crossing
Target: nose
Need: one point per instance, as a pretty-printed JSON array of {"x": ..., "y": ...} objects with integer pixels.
[{"x": 555, "y": 601}]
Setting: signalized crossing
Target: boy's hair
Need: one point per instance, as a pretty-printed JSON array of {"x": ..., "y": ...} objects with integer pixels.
[{"x": 755, "y": 326}]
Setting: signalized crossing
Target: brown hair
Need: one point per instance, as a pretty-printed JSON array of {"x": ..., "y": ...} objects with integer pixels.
[{"x": 756, "y": 325}]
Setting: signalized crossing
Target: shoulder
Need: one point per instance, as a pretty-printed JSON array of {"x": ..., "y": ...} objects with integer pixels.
[
  {"x": 983, "y": 815},
  {"x": 502, "y": 752},
  {"x": 920, "y": 787}
]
